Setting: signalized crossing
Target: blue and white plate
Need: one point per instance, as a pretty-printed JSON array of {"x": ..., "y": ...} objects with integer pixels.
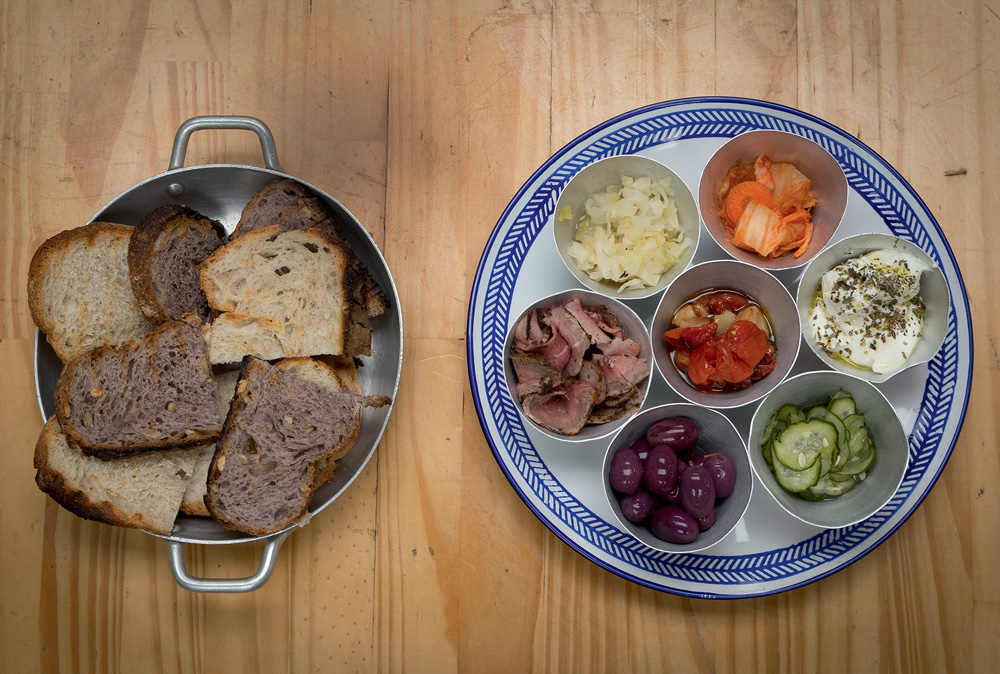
[{"x": 770, "y": 551}]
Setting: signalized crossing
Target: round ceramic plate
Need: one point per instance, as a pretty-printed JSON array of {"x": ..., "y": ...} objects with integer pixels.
[{"x": 769, "y": 551}]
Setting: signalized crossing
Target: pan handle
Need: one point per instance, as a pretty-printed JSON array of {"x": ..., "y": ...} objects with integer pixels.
[
  {"x": 224, "y": 122},
  {"x": 248, "y": 584}
]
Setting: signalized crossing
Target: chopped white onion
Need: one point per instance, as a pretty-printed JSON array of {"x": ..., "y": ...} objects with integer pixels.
[{"x": 629, "y": 234}]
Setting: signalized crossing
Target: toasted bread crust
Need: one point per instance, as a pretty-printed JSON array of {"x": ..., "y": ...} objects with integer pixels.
[
  {"x": 144, "y": 244},
  {"x": 47, "y": 260}
]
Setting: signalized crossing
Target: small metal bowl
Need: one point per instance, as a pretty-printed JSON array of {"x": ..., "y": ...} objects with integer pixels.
[
  {"x": 596, "y": 178},
  {"x": 728, "y": 275},
  {"x": 933, "y": 294},
  {"x": 882, "y": 479},
  {"x": 634, "y": 329},
  {"x": 829, "y": 184},
  {"x": 716, "y": 433}
]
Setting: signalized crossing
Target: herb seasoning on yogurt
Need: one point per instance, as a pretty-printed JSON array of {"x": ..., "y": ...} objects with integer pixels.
[{"x": 866, "y": 310}]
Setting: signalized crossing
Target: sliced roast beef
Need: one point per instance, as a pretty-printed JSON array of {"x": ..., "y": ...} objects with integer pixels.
[
  {"x": 621, "y": 399},
  {"x": 564, "y": 410},
  {"x": 622, "y": 373},
  {"x": 606, "y": 319},
  {"x": 613, "y": 409},
  {"x": 520, "y": 332},
  {"x": 591, "y": 373},
  {"x": 562, "y": 322},
  {"x": 586, "y": 320},
  {"x": 570, "y": 359},
  {"x": 534, "y": 373},
  {"x": 618, "y": 347},
  {"x": 530, "y": 334},
  {"x": 558, "y": 352}
]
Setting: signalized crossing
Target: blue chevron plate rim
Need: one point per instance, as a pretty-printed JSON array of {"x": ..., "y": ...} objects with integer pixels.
[{"x": 769, "y": 552}]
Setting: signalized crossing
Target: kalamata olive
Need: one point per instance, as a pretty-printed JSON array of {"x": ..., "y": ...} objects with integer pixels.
[
  {"x": 625, "y": 473},
  {"x": 705, "y": 523},
  {"x": 723, "y": 474},
  {"x": 673, "y": 524},
  {"x": 641, "y": 447},
  {"x": 678, "y": 433},
  {"x": 697, "y": 491},
  {"x": 673, "y": 497},
  {"x": 661, "y": 469},
  {"x": 638, "y": 506}
]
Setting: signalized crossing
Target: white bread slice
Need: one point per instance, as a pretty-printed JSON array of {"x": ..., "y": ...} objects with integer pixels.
[
  {"x": 291, "y": 205},
  {"x": 303, "y": 287},
  {"x": 141, "y": 491},
  {"x": 231, "y": 336},
  {"x": 79, "y": 292}
]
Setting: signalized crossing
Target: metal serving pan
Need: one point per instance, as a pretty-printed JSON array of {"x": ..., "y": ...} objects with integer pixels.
[{"x": 220, "y": 191}]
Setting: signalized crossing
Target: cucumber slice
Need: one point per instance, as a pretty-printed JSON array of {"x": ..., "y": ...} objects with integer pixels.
[
  {"x": 827, "y": 487},
  {"x": 843, "y": 406},
  {"x": 859, "y": 443},
  {"x": 791, "y": 458},
  {"x": 856, "y": 466},
  {"x": 820, "y": 453},
  {"x": 790, "y": 414},
  {"x": 774, "y": 425},
  {"x": 796, "y": 481},
  {"x": 800, "y": 445},
  {"x": 854, "y": 423},
  {"x": 835, "y": 455}
]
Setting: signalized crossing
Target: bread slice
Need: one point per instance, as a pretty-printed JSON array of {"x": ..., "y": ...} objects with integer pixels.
[
  {"x": 300, "y": 285},
  {"x": 290, "y": 205},
  {"x": 284, "y": 419},
  {"x": 142, "y": 491},
  {"x": 193, "y": 500},
  {"x": 194, "y": 496},
  {"x": 79, "y": 292},
  {"x": 164, "y": 252},
  {"x": 153, "y": 394},
  {"x": 232, "y": 336},
  {"x": 285, "y": 203}
]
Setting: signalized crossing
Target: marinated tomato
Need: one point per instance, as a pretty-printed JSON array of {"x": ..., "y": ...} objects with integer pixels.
[{"x": 722, "y": 342}]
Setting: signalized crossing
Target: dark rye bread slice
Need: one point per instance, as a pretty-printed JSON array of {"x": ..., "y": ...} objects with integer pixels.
[
  {"x": 143, "y": 491},
  {"x": 291, "y": 206},
  {"x": 285, "y": 203},
  {"x": 153, "y": 394},
  {"x": 284, "y": 294},
  {"x": 79, "y": 293},
  {"x": 194, "y": 496},
  {"x": 285, "y": 419},
  {"x": 164, "y": 252},
  {"x": 346, "y": 376}
]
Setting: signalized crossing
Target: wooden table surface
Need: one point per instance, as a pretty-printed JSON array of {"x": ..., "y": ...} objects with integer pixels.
[{"x": 424, "y": 118}]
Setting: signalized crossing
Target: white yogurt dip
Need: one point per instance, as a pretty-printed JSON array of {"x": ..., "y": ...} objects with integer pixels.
[{"x": 866, "y": 310}]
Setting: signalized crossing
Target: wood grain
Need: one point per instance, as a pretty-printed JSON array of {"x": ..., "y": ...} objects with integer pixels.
[{"x": 424, "y": 119}]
